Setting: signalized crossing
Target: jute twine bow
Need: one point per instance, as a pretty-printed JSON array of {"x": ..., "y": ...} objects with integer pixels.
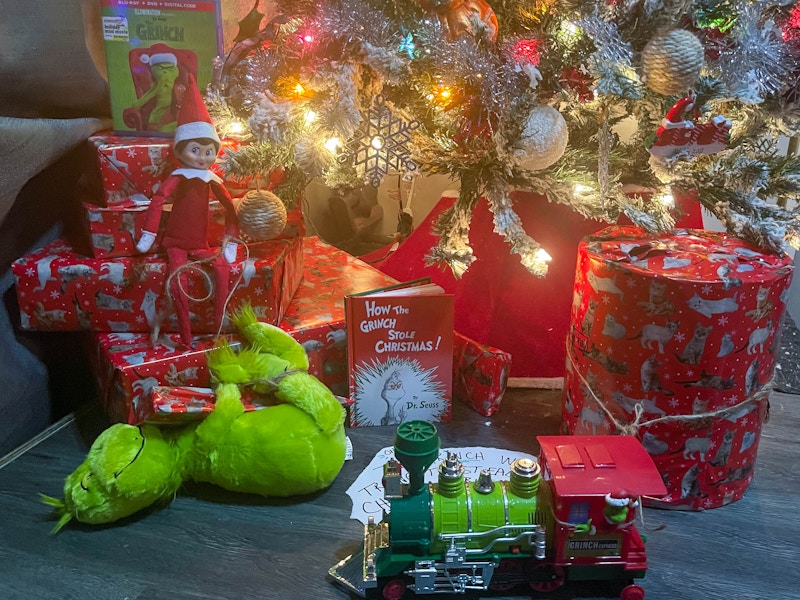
[
  {"x": 632, "y": 428},
  {"x": 194, "y": 265}
]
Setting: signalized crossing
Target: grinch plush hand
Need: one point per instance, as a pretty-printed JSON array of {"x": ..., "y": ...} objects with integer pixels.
[
  {"x": 146, "y": 242},
  {"x": 229, "y": 252}
]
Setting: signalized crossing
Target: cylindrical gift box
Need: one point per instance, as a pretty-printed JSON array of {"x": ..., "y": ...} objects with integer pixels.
[{"x": 673, "y": 339}]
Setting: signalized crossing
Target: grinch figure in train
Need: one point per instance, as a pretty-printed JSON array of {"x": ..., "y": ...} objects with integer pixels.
[
  {"x": 189, "y": 189},
  {"x": 293, "y": 446}
]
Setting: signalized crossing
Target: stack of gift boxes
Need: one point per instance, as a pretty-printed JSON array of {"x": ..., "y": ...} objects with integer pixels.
[{"x": 293, "y": 281}]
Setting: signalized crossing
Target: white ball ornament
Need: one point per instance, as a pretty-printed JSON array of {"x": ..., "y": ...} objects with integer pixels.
[{"x": 543, "y": 139}]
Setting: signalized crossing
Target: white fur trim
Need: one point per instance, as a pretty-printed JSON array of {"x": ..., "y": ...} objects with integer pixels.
[
  {"x": 677, "y": 124},
  {"x": 618, "y": 502},
  {"x": 204, "y": 174},
  {"x": 193, "y": 131},
  {"x": 159, "y": 57}
]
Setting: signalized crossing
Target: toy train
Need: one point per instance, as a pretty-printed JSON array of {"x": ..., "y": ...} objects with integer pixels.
[{"x": 567, "y": 517}]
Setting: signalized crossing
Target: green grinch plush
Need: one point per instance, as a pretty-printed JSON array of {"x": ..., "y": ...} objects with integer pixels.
[{"x": 294, "y": 446}]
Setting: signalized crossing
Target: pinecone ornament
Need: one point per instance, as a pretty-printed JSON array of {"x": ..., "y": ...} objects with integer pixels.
[{"x": 262, "y": 216}]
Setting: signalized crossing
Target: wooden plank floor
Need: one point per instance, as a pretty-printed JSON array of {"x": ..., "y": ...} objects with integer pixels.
[{"x": 211, "y": 544}]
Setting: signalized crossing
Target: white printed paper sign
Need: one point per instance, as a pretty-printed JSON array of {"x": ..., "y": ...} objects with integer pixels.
[{"x": 367, "y": 491}]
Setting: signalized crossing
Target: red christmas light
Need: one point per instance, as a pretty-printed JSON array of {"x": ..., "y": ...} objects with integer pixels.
[
  {"x": 527, "y": 52},
  {"x": 791, "y": 26}
]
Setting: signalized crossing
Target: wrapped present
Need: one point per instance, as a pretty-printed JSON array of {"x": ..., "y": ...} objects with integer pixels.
[
  {"x": 480, "y": 374},
  {"x": 60, "y": 290},
  {"x": 114, "y": 230},
  {"x": 171, "y": 404},
  {"x": 315, "y": 316},
  {"x": 673, "y": 339},
  {"x": 181, "y": 404},
  {"x": 131, "y": 169},
  {"x": 128, "y": 366}
]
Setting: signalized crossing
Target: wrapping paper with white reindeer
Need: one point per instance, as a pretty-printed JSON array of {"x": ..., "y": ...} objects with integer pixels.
[
  {"x": 128, "y": 367},
  {"x": 130, "y": 169},
  {"x": 673, "y": 339},
  {"x": 60, "y": 290}
]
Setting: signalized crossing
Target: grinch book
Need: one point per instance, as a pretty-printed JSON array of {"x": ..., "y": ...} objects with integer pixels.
[
  {"x": 152, "y": 46},
  {"x": 400, "y": 354}
]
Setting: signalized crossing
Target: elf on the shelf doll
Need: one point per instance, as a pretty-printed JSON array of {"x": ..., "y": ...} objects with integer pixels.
[{"x": 185, "y": 235}]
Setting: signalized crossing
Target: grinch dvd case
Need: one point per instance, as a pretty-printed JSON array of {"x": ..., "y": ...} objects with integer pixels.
[{"x": 152, "y": 46}]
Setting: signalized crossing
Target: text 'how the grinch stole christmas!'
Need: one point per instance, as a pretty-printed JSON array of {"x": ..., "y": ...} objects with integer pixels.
[{"x": 379, "y": 317}]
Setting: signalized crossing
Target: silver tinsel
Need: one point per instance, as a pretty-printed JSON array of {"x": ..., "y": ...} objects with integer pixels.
[
  {"x": 610, "y": 64},
  {"x": 757, "y": 57}
]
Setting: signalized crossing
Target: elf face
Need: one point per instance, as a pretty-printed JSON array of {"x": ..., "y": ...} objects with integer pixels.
[{"x": 198, "y": 156}]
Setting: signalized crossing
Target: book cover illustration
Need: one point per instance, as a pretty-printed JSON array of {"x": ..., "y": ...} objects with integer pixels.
[
  {"x": 152, "y": 46},
  {"x": 400, "y": 355}
]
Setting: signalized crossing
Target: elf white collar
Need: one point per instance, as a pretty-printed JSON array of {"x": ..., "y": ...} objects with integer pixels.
[{"x": 204, "y": 174}]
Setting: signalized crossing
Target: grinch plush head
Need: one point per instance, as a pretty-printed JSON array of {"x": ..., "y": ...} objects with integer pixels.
[{"x": 294, "y": 446}]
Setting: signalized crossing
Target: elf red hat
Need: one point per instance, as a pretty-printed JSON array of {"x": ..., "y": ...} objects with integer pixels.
[{"x": 193, "y": 119}]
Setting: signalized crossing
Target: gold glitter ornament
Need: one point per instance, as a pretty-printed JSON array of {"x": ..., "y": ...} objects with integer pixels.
[
  {"x": 672, "y": 61},
  {"x": 262, "y": 216}
]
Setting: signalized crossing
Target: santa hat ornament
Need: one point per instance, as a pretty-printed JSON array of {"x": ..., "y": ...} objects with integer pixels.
[
  {"x": 194, "y": 121},
  {"x": 618, "y": 499}
]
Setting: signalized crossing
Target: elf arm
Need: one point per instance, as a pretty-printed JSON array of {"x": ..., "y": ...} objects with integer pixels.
[
  {"x": 231, "y": 221},
  {"x": 153, "y": 216}
]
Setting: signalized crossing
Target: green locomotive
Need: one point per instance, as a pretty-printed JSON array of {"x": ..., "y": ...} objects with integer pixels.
[{"x": 565, "y": 517}]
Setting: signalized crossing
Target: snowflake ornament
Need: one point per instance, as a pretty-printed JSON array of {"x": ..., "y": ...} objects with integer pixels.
[{"x": 381, "y": 143}]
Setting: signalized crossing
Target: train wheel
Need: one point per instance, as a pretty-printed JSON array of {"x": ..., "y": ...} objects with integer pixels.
[
  {"x": 547, "y": 578},
  {"x": 507, "y": 567},
  {"x": 632, "y": 592},
  {"x": 394, "y": 589}
]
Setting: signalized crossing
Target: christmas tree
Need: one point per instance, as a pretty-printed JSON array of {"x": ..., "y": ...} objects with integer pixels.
[{"x": 579, "y": 101}]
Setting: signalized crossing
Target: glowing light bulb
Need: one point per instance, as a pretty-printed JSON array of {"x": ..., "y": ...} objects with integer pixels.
[
  {"x": 299, "y": 89},
  {"x": 543, "y": 256},
  {"x": 333, "y": 144},
  {"x": 377, "y": 142},
  {"x": 581, "y": 189},
  {"x": 310, "y": 116},
  {"x": 236, "y": 127},
  {"x": 445, "y": 93},
  {"x": 568, "y": 33},
  {"x": 308, "y": 38},
  {"x": 667, "y": 200}
]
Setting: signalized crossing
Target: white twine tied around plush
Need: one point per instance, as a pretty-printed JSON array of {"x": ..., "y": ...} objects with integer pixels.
[
  {"x": 195, "y": 265},
  {"x": 633, "y": 427}
]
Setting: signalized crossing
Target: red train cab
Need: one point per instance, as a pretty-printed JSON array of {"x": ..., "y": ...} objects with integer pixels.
[{"x": 595, "y": 485}]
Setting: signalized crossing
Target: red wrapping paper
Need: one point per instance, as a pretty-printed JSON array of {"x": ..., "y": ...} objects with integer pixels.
[
  {"x": 315, "y": 317},
  {"x": 114, "y": 230},
  {"x": 174, "y": 404},
  {"x": 673, "y": 339},
  {"x": 60, "y": 290},
  {"x": 130, "y": 169},
  {"x": 480, "y": 374},
  {"x": 128, "y": 367}
]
